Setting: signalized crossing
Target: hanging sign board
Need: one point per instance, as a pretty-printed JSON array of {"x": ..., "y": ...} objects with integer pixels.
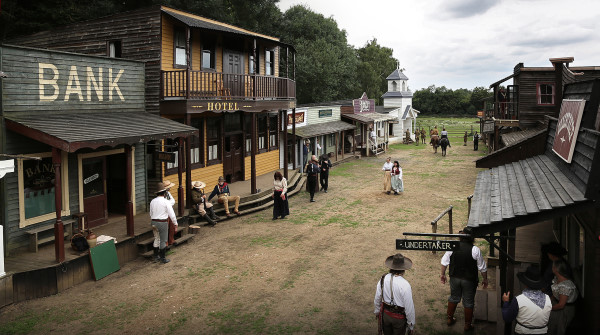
[
  {"x": 163, "y": 156},
  {"x": 488, "y": 126},
  {"x": 429, "y": 245},
  {"x": 567, "y": 128}
]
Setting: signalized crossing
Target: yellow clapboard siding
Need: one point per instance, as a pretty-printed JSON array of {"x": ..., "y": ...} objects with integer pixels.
[
  {"x": 168, "y": 30},
  {"x": 196, "y": 50},
  {"x": 265, "y": 163}
]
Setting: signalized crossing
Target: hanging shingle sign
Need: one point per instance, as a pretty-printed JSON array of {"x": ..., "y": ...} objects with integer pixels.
[{"x": 567, "y": 128}]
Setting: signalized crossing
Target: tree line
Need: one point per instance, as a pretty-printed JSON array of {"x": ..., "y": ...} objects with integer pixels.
[
  {"x": 327, "y": 67},
  {"x": 444, "y": 101}
]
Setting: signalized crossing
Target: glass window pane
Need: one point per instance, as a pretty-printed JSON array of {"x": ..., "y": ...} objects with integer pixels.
[
  {"x": 38, "y": 181},
  {"x": 180, "y": 56}
]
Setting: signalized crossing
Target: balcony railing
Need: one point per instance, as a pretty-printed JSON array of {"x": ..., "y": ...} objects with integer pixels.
[
  {"x": 216, "y": 85},
  {"x": 507, "y": 110}
]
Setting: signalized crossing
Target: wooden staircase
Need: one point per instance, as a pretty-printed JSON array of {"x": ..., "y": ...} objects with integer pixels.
[{"x": 145, "y": 247}]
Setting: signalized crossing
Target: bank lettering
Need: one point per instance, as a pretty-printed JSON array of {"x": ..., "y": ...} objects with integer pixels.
[{"x": 49, "y": 89}]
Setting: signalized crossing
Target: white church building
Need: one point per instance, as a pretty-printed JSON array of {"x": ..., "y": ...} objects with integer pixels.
[{"x": 398, "y": 101}]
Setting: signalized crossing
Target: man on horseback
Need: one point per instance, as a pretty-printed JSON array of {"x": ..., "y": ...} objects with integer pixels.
[
  {"x": 434, "y": 136},
  {"x": 445, "y": 135}
]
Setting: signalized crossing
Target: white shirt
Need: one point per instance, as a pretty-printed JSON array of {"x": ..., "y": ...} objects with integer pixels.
[
  {"x": 161, "y": 209},
  {"x": 280, "y": 185},
  {"x": 445, "y": 132},
  {"x": 372, "y": 134},
  {"x": 402, "y": 297},
  {"x": 387, "y": 166},
  {"x": 475, "y": 252}
]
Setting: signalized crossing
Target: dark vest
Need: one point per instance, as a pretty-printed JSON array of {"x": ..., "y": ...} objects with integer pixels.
[{"x": 462, "y": 264}]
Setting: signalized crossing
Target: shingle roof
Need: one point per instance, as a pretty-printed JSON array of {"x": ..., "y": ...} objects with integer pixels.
[
  {"x": 399, "y": 94},
  {"x": 92, "y": 130},
  {"x": 322, "y": 129},
  {"x": 369, "y": 117},
  {"x": 397, "y": 75}
]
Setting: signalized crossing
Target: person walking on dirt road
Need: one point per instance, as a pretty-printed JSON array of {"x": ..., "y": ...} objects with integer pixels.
[
  {"x": 312, "y": 170},
  {"x": 160, "y": 211}
]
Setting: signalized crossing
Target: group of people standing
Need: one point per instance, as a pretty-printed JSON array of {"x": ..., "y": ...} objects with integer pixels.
[
  {"x": 317, "y": 171},
  {"x": 392, "y": 177}
]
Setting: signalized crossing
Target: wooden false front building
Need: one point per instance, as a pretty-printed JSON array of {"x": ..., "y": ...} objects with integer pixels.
[
  {"x": 84, "y": 118},
  {"x": 223, "y": 80}
]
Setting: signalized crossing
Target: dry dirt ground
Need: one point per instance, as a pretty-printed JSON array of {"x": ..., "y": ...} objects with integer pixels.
[{"x": 313, "y": 273}]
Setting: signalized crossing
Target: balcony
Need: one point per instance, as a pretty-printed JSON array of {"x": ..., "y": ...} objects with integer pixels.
[
  {"x": 205, "y": 85},
  {"x": 502, "y": 110}
]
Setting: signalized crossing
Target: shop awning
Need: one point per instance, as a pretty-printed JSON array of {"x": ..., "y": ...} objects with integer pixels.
[
  {"x": 322, "y": 129},
  {"x": 71, "y": 132}
]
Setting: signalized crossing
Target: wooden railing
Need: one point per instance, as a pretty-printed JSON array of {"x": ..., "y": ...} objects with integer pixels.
[
  {"x": 217, "y": 85},
  {"x": 435, "y": 222},
  {"x": 506, "y": 110}
]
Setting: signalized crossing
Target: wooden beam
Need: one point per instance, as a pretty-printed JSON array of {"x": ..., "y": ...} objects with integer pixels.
[
  {"x": 59, "y": 237},
  {"x": 188, "y": 164},
  {"x": 129, "y": 187},
  {"x": 284, "y": 120},
  {"x": 253, "y": 155},
  {"x": 180, "y": 195},
  {"x": 293, "y": 136}
]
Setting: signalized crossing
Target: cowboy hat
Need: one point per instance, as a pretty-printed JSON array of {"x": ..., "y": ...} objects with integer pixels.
[
  {"x": 398, "y": 262},
  {"x": 221, "y": 179},
  {"x": 532, "y": 277},
  {"x": 164, "y": 185},
  {"x": 199, "y": 185},
  {"x": 555, "y": 249}
]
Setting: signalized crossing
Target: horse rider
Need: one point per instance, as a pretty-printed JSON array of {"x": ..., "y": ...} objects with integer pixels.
[
  {"x": 434, "y": 132},
  {"x": 445, "y": 135}
]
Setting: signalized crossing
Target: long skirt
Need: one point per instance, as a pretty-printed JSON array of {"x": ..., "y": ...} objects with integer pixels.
[
  {"x": 397, "y": 184},
  {"x": 560, "y": 320},
  {"x": 387, "y": 181},
  {"x": 280, "y": 207}
]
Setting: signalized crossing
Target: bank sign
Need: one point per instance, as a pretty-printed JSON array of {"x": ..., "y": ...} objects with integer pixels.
[{"x": 51, "y": 82}]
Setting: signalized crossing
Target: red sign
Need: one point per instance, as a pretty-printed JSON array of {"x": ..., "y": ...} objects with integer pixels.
[
  {"x": 299, "y": 118},
  {"x": 364, "y": 105},
  {"x": 567, "y": 128},
  {"x": 480, "y": 114}
]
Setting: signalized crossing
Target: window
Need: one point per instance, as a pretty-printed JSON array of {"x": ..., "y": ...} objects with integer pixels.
[
  {"x": 261, "y": 120},
  {"x": 213, "y": 138},
  {"x": 248, "y": 131},
  {"x": 208, "y": 55},
  {"x": 270, "y": 62},
  {"x": 545, "y": 94},
  {"x": 180, "y": 52},
  {"x": 394, "y": 86},
  {"x": 273, "y": 132},
  {"x": 252, "y": 68},
  {"x": 170, "y": 146},
  {"x": 37, "y": 189},
  {"x": 197, "y": 154},
  {"x": 114, "y": 49}
]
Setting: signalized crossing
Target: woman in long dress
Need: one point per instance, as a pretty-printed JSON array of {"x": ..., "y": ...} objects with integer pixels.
[
  {"x": 387, "y": 175},
  {"x": 564, "y": 295},
  {"x": 280, "y": 201},
  {"x": 397, "y": 184}
]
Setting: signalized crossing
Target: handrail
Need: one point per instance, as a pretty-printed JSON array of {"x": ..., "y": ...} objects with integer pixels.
[{"x": 435, "y": 221}]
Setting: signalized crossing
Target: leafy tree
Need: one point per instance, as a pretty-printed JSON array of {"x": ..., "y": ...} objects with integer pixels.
[
  {"x": 375, "y": 63},
  {"x": 441, "y": 100},
  {"x": 325, "y": 63}
]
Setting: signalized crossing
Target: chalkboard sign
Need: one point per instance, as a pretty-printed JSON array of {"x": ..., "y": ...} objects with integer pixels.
[
  {"x": 429, "y": 245},
  {"x": 104, "y": 259}
]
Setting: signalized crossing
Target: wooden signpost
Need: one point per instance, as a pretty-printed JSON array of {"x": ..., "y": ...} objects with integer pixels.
[{"x": 429, "y": 245}]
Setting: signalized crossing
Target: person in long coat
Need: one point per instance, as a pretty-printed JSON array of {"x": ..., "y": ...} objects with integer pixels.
[
  {"x": 281, "y": 208},
  {"x": 325, "y": 164}
]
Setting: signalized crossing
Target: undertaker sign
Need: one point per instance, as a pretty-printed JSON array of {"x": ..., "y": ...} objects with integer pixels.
[{"x": 567, "y": 128}]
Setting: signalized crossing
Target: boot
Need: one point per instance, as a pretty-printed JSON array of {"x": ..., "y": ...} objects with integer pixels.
[
  {"x": 450, "y": 312},
  {"x": 209, "y": 220},
  {"x": 163, "y": 259},
  {"x": 469, "y": 319},
  {"x": 212, "y": 214},
  {"x": 155, "y": 257}
]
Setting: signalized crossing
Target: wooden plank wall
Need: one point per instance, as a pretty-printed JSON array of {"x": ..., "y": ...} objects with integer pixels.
[
  {"x": 138, "y": 31},
  {"x": 6, "y": 290},
  {"x": 140, "y": 178},
  {"x": 591, "y": 270},
  {"x": 530, "y": 113},
  {"x": 209, "y": 175},
  {"x": 265, "y": 163}
]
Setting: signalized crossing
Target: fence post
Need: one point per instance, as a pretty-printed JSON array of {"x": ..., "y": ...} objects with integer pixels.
[
  {"x": 434, "y": 230},
  {"x": 469, "y": 209},
  {"x": 450, "y": 220}
]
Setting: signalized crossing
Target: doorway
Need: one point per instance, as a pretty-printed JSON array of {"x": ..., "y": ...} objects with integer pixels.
[
  {"x": 233, "y": 160},
  {"x": 233, "y": 68}
]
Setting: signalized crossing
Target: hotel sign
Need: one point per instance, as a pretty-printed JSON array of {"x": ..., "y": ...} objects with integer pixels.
[
  {"x": 567, "y": 128},
  {"x": 429, "y": 245}
]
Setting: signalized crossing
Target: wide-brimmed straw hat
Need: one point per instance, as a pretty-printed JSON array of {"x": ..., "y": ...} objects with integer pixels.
[
  {"x": 398, "y": 262},
  {"x": 532, "y": 277},
  {"x": 199, "y": 185},
  {"x": 164, "y": 185}
]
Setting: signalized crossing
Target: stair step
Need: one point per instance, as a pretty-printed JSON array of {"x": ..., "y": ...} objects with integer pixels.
[
  {"x": 145, "y": 242},
  {"x": 183, "y": 239},
  {"x": 148, "y": 254}
]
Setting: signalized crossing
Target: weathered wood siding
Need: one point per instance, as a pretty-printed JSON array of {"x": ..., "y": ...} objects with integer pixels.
[
  {"x": 140, "y": 178},
  {"x": 530, "y": 113},
  {"x": 265, "y": 163},
  {"x": 41, "y": 81},
  {"x": 312, "y": 114},
  {"x": 138, "y": 31}
]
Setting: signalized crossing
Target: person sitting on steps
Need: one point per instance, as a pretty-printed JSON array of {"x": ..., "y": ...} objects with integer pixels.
[
  {"x": 201, "y": 205},
  {"x": 222, "y": 191}
]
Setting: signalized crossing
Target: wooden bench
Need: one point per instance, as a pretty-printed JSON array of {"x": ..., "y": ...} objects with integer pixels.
[{"x": 35, "y": 238}]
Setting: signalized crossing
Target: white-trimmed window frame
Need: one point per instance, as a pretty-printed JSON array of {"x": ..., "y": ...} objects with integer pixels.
[{"x": 64, "y": 178}]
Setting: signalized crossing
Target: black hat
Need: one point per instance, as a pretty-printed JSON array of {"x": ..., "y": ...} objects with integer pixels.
[
  {"x": 398, "y": 262},
  {"x": 532, "y": 277},
  {"x": 555, "y": 249}
]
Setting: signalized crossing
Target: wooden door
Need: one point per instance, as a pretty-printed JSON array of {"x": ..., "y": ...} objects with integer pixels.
[
  {"x": 233, "y": 160},
  {"x": 233, "y": 68},
  {"x": 94, "y": 191}
]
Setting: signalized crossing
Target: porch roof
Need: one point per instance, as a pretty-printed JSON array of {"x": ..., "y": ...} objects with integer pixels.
[
  {"x": 369, "y": 118},
  {"x": 322, "y": 129},
  {"x": 71, "y": 132}
]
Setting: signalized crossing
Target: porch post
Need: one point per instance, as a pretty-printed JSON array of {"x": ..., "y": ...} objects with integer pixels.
[
  {"x": 254, "y": 83},
  {"x": 188, "y": 164},
  {"x": 343, "y": 143},
  {"x": 284, "y": 121},
  {"x": 354, "y": 142},
  {"x": 362, "y": 125},
  {"x": 59, "y": 233},
  {"x": 180, "y": 195},
  {"x": 503, "y": 276},
  {"x": 253, "y": 156},
  {"x": 188, "y": 71},
  {"x": 128, "y": 187},
  {"x": 293, "y": 136},
  {"x": 337, "y": 143}
]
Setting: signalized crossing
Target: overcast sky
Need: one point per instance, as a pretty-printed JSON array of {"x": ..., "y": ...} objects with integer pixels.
[{"x": 468, "y": 43}]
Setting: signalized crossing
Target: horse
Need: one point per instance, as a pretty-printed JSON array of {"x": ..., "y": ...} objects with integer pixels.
[
  {"x": 435, "y": 142},
  {"x": 444, "y": 142}
]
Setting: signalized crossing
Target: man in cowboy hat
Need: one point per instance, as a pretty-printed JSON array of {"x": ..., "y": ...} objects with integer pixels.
[
  {"x": 394, "y": 307},
  {"x": 531, "y": 309},
  {"x": 224, "y": 196},
  {"x": 203, "y": 207},
  {"x": 464, "y": 264},
  {"x": 160, "y": 211}
]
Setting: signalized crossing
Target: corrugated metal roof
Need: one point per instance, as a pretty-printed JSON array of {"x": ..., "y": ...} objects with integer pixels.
[
  {"x": 386, "y": 110},
  {"x": 399, "y": 94},
  {"x": 92, "y": 130},
  {"x": 369, "y": 117},
  {"x": 322, "y": 129},
  {"x": 397, "y": 75},
  {"x": 516, "y": 137}
]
